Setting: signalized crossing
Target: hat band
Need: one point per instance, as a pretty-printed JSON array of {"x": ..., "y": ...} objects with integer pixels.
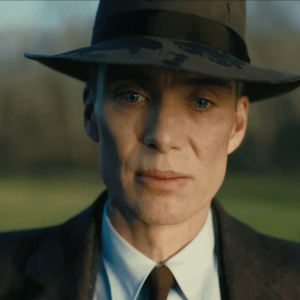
[{"x": 174, "y": 25}]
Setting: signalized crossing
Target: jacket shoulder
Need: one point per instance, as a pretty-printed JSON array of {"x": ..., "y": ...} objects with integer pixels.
[
  {"x": 257, "y": 264},
  {"x": 10, "y": 240},
  {"x": 280, "y": 264},
  {"x": 276, "y": 252},
  {"x": 17, "y": 246},
  {"x": 284, "y": 254},
  {"x": 281, "y": 252},
  {"x": 18, "y": 240}
]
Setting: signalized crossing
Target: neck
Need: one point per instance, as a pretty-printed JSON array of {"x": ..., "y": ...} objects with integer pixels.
[{"x": 157, "y": 242}]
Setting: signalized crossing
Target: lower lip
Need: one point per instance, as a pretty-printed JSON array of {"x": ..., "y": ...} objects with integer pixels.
[{"x": 162, "y": 183}]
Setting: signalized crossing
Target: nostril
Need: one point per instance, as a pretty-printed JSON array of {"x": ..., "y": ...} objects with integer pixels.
[{"x": 152, "y": 146}]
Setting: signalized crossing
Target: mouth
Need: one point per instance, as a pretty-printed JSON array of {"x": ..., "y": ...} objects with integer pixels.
[{"x": 165, "y": 180}]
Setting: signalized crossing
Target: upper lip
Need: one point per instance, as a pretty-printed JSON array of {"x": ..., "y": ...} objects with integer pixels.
[{"x": 162, "y": 174}]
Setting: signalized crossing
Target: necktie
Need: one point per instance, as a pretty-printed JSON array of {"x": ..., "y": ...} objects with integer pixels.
[{"x": 160, "y": 281}]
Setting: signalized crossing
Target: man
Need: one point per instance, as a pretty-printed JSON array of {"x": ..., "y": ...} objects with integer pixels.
[{"x": 167, "y": 97}]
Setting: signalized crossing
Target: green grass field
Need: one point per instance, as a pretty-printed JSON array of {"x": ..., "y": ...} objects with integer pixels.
[{"x": 270, "y": 204}]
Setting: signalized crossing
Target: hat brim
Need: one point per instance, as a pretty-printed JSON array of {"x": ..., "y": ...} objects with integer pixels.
[{"x": 260, "y": 83}]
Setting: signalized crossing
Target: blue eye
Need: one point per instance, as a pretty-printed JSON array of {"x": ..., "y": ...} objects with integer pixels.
[
  {"x": 202, "y": 103},
  {"x": 131, "y": 97}
]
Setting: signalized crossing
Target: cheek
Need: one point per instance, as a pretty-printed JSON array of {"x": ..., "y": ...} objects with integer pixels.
[
  {"x": 212, "y": 143},
  {"x": 212, "y": 135},
  {"x": 117, "y": 138}
]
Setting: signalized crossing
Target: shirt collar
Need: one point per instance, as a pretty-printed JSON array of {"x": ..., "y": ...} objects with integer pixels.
[
  {"x": 193, "y": 266},
  {"x": 127, "y": 268}
]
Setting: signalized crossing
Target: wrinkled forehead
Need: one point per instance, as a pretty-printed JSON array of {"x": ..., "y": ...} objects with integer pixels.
[{"x": 155, "y": 75}]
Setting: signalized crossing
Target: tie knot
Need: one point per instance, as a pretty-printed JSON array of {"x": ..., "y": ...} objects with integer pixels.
[{"x": 160, "y": 281}]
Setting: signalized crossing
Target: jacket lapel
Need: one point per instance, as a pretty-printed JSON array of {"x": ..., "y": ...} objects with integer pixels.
[
  {"x": 242, "y": 260},
  {"x": 65, "y": 263}
]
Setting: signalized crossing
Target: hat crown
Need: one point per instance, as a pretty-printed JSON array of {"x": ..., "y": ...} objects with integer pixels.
[{"x": 229, "y": 13}]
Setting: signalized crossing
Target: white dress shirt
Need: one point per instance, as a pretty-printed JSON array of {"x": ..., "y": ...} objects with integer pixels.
[{"x": 123, "y": 269}]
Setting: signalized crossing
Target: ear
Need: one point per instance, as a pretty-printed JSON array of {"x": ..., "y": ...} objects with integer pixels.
[
  {"x": 240, "y": 124},
  {"x": 90, "y": 124}
]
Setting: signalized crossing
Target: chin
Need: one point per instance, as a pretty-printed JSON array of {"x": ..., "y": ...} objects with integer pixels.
[
  {"x": 159, "y": 209},
  {"x": 160, "y": 216}
]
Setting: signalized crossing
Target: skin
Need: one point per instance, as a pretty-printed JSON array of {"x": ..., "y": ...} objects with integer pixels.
[{"x": 168, "y": 125}]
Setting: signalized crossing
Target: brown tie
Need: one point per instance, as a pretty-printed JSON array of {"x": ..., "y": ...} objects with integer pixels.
[{"x": 160, "y": 281}]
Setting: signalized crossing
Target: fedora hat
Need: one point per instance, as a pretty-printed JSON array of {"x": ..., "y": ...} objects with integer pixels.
[{"x": 203, "y": 37}]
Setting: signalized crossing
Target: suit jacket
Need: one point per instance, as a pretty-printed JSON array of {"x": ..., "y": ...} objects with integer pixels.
[{"x": 61, "y": 262}]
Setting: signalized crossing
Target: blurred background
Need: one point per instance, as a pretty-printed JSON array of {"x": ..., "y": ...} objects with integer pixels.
[{"x": 48, "y": 166}]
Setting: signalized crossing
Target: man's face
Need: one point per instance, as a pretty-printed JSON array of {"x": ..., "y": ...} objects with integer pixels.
[{"x": 155, "y": 123}]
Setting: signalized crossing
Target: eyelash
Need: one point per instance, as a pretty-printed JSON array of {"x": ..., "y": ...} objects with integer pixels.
[
  {"x": 146, "y": 99},
  {"x": 133, "y": 92},
  {"x": 202, "y": 109}
]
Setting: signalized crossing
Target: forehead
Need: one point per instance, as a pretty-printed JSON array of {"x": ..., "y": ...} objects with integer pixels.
[{"x": 151, "y": 75}]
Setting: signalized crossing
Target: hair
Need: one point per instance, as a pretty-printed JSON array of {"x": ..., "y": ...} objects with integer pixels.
[
  {"x": 91, "y": 84},
  {"x": 239, "y": 89}
]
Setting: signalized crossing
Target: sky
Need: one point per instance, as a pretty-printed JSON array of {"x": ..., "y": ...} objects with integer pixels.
[{"x": 52, "y": 14}]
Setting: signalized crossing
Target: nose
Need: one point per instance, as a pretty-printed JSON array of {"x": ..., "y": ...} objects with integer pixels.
[{"x": 164, "y": 130}]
